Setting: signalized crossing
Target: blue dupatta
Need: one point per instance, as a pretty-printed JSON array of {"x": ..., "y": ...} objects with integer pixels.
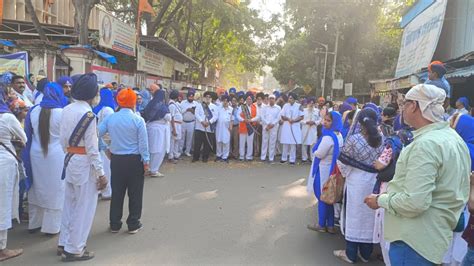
[{"x": 336, "y": 126}]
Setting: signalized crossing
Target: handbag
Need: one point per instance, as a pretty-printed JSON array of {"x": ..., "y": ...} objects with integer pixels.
[{"x": 333, "y": 188}]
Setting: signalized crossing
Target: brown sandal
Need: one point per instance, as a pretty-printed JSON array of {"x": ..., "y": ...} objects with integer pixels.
[
  {"x": 317, "y": 228},
  {"x": 6, "y": 254}
]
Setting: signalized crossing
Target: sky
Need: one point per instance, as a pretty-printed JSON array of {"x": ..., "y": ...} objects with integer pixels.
[{"x": 267, "y": 7}]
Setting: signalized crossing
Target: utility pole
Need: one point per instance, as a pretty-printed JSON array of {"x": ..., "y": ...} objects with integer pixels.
[{"x": 334, "y": 62}]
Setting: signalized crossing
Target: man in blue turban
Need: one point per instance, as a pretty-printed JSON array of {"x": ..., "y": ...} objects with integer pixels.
[
  {"x": 66, "y": 83},
  {"x": 84, "y": 174},
  {"x": 462, "y": 106},
  {"x": 232, "y": 91}
]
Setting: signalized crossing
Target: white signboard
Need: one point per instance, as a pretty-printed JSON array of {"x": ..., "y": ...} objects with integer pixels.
[
  {"x": 420, "y": 38},
  {"x": 337, "y": 84},
  {"x": 179, "y": 67},
  {"x": 348, "y": 89},
  {"x": 128, "y": 80},
  {"x": 116, "y": 35},
  {"x": 154, "y": 63}
]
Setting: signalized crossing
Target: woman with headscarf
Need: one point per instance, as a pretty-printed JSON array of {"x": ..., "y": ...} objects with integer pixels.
[
  {"x": 46, "y": 159},
  {"x": 325, "y": 154},
  {"x": 362, "y": 147},
  {"x": 105, "y": 108},
  {"x": 10, "y": 130},
  {"x": 344, "y": 110},
  {"x": 157, "y": 116},
  {"x": 462, "y": 106},
  {"x": 311, "y": 120}
]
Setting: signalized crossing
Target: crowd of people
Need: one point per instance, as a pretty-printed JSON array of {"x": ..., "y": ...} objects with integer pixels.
[{"x": 406, "y": 166}]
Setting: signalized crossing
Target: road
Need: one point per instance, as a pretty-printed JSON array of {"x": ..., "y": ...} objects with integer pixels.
[{"x": 215, "y": 213}]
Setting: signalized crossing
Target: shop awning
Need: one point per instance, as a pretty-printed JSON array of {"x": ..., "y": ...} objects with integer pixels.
[
  {"x": 464, "y": 72},
  {"x": 384, "y": 87},
  {"x": 7, "y": 43},
  {"x": 163, "y": 47},
  {"x": 107, "y": 57}
]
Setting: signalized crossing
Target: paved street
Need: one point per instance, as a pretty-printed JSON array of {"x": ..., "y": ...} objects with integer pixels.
[{"x": 213, "y": 213}]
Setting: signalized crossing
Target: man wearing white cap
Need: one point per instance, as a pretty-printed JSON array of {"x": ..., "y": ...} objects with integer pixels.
[
  {"x": 424, "y": 201},
  {"x": 269, "y": 117}
]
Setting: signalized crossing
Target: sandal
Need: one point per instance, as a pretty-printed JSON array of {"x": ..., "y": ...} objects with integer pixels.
[
  {"x": 69, "y": 257},
  {"x": 331, "y": 230},
  {"x": 341, "y": 254},
  {"x": 317, "y": 228},
  {"x": 6, "y": 254}
]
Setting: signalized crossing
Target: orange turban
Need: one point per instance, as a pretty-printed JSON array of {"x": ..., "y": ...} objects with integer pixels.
[
  {"x": 109, "y": 85},
  {"x": 127, "y": 98},
  {"x": 434, "y": 63}
]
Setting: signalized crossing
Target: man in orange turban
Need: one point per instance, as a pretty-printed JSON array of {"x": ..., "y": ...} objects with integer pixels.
[
  {"x": 127, "y": 98},
  {"x": 130, "y": 158}
]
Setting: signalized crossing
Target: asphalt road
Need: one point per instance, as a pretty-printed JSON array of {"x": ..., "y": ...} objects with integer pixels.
[{"x": 215, "y": 213}]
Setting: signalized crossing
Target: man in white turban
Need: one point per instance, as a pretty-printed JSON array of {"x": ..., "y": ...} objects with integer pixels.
[{"x": 425, "y": 199}]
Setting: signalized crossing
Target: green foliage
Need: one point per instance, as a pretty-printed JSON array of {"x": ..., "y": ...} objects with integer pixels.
[{"x": 369, "y": 40}]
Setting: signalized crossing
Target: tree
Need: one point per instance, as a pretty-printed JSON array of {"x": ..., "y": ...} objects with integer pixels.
[
  {"x": 81, "y": 18},
  {"x": 31, "y": 10}
]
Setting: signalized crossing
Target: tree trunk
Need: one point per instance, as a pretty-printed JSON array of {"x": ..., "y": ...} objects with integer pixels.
[
  {"x": 81, "y": 18},
  {"x": 182, "y": 47},
  {"x": 34, "y": 18}
]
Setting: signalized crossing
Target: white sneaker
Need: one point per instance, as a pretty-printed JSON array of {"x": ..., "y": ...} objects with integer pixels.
[
  {"x": 341, "y": 254},
  {"x": 187, "y": 154},
  {"x": 154, "y": 174},
  {"x": 361, "y": 258},
  {"x": 158, "y": 174}
]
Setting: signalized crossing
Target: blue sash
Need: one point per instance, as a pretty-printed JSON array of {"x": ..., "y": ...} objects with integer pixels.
[
  {"x": 246, "y": 111},
  {"x": 76, "y": 136},
  {"x": 208, "y": 114}
]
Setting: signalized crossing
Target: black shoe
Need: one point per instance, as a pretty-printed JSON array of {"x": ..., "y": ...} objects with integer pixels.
[
  {"x": 282, "y": 162},
  {"x": 135, "y": 230},
  {"x": 69, "y": 257},
  {"x": 304, "y": 161},
  {"x": 292, "y": 164}
]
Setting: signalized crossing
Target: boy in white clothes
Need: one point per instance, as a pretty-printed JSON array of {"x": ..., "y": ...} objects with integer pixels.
[
  {"x": 224, "y": 129},
  {"x": 176, "y": 131},
  {"x": 311, "y": 120}
]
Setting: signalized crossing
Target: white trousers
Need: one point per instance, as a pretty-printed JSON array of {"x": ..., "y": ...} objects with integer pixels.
[
  {"x": 107, "y": 191},
  {"x": 175, "y": 152},
  {"x": 246, "y": 139},
  {"x": 269, "y": 139},
  {"x": 48, "y": 219},
  {"x": 289, "y": 149},
  {"x": 3, "y": 239},
  {"x": 156, "y": 159},
  {"x": 80, "y": 203},
  {"x": 187, "y": 130},
  {"x": 304, "y": 152},
  {"x": 223, "y": 150}
]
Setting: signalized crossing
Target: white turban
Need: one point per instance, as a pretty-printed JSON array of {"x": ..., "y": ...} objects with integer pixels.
[{"x": 430, "y": 99}]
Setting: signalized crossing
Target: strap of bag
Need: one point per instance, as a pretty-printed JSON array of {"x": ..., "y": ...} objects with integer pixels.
[{"x": 11, "y": 152}]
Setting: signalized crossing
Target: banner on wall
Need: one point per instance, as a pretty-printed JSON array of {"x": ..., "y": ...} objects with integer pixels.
[
  {"x": 154, "y": 63},
  {"x": 420, "y": 38},
  {"x": 106, "y": 75},
  {"x": 116, "y": 35},
  {"x": 16, "y": 63}
]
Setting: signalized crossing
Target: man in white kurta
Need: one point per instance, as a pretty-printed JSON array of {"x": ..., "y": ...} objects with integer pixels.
[
  {"x": 247, "y": 129},
  {"x": 311, "y": 120},
  {"x": 84, "y": 173},
  {"x": 10, "y": 129},
  {"x": 223, "y": 129},
  {"x": 188, "y": 108},
  {"x": 291, "y": 114},
  {"x": 176, "y": 126},
  {"x": 269, "y": 117},
  {"x": 46, "y": 196}
]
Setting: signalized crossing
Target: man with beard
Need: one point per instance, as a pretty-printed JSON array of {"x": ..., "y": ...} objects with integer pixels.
[
  {"x": 83, "y": 171},
  {"x": 66, "y": 83},
  {"x": 206, "y": 116},
  {"x": 188, "y": 107},
  {"x": 291, "y": 114},
  {"x": 18, "y": 85}
]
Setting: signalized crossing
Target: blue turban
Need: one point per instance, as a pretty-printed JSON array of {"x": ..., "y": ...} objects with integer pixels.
[
  {"x": 191, "y": 92},
  {"x": 41, "y": 84},
  {"x": 106, "y": 100},
  {"x": 232, "y": 90},
  {"x": 465, "y": 102},
  {"x": 351, "y": 100},
  {"x": 3, "y": 103},
  {"x": 53, "y": 96},
  {"x": 64, "y": 80},
  {"x": 276, "y": 93},
  {"x": 74, "y": 78},
  {"x": 85, "y": 87},
  {"x": 344, "y": 107},
  {"x": 174, "y": 94},
  {"x": 249, "y": 94},
  {"x": 241, "y": 94}
]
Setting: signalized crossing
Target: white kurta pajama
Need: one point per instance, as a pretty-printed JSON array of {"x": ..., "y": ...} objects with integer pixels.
[
  {"x": 107, "y": 191},
  {"x": 159, "y": 139},
  {"x": 290, "y": 133},
  {"x": 46, "y": 196},
  {"x": 82, "y": 175},
  {"x": 224, "y": 118},
  {"x": 309, "y": 133},
  {"x": 189, "y": 122},
  {"x": 10, "y": 129},
  {"x": 269, "y": 115},
  {"x": 176, "y": 114}
]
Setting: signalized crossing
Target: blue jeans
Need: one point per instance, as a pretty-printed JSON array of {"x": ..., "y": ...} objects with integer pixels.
[
  {"x": 365, "y": 250},
  {"x": 469, "y": 258},
  {"x": 402, "y": 254},
  {"x": 325, "y": 214}
]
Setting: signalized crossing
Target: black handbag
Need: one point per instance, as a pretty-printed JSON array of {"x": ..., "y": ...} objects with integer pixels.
[{"x": 386, "y": 174}]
